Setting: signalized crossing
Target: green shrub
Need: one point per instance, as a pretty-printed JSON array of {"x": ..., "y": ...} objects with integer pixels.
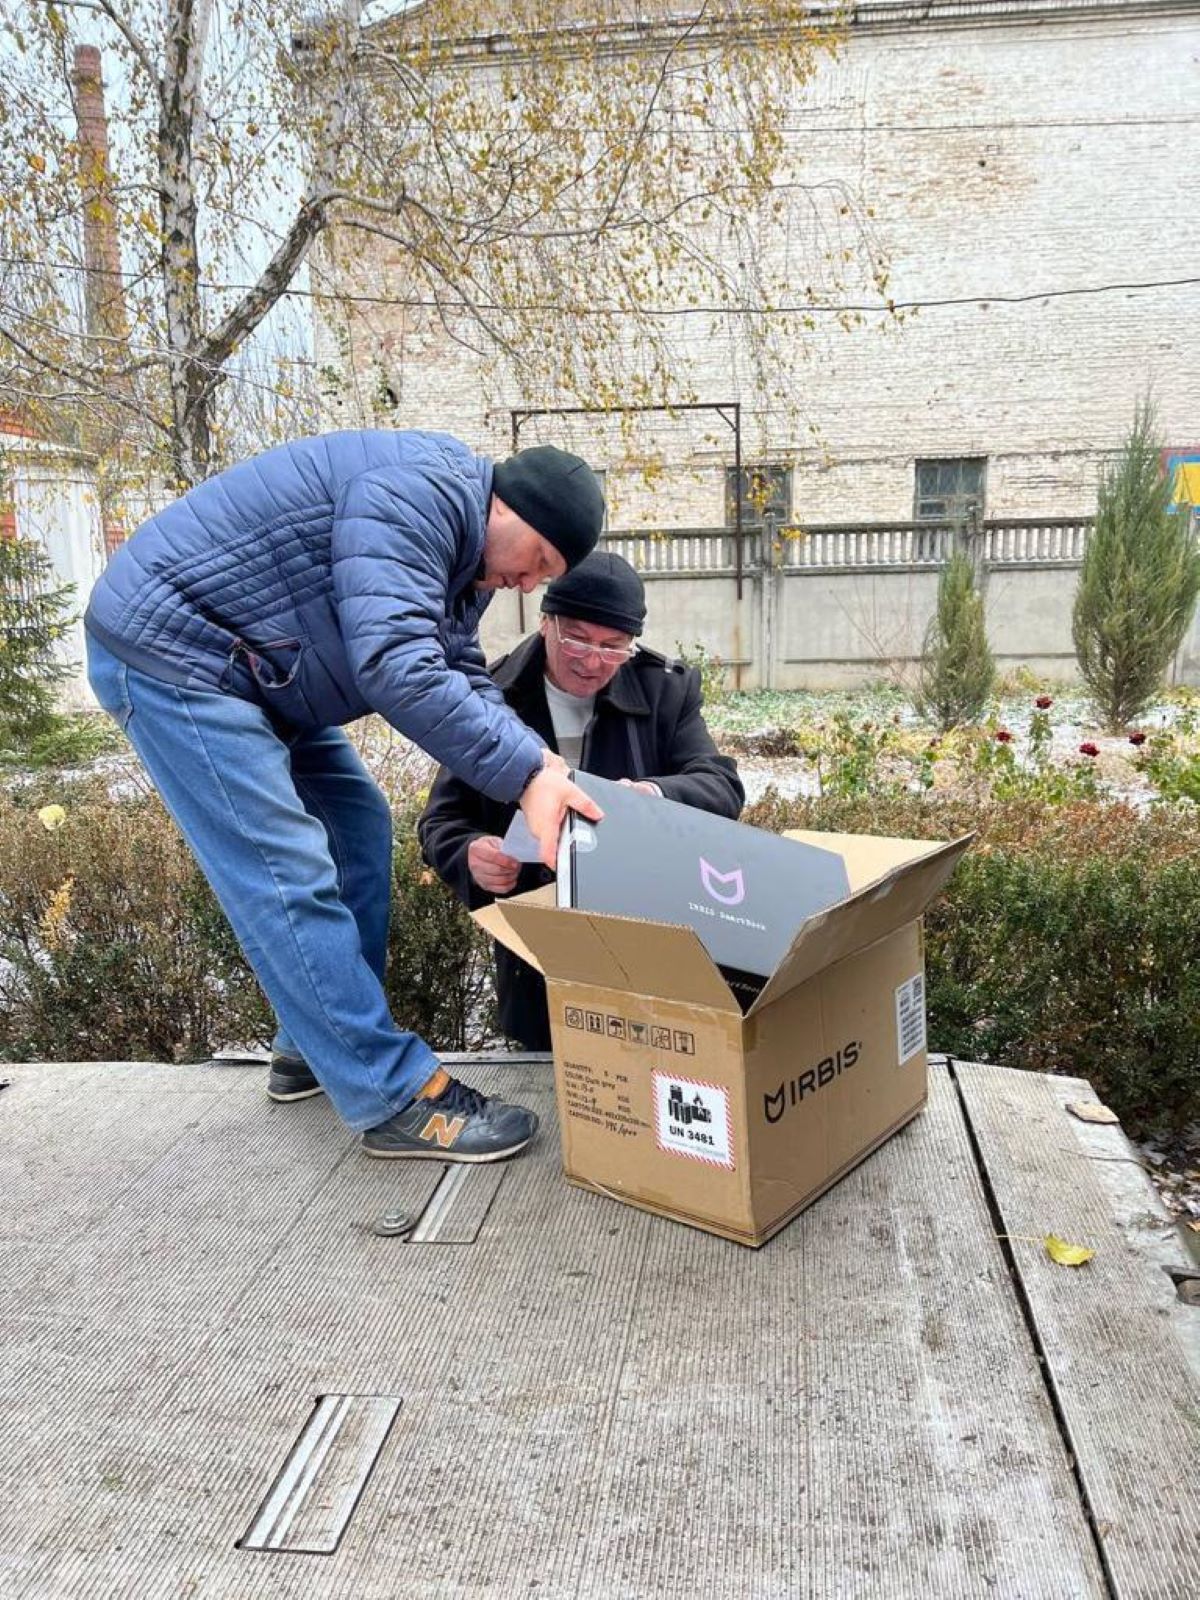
[
  {"x": 854, "y": 757},
  {"x": 713, "y": 679},
  {"x": 1172, "y": 767},
  {"x": 847, "y": 754},
  {"x": 957, "y": 671},
  {"x": 1068, "y": 939},
  {"x": 112, "y": 946},
  {"x": 992, "y": 765},
  {"x": 110, "y": 942},
  {"x": 1138, "y": 583}
]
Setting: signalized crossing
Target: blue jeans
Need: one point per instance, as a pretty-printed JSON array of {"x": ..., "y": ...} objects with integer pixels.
[{"x": 296, "y": 840}]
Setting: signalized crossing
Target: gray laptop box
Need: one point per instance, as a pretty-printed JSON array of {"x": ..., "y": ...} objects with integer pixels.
[{"x": 743, "y": 890}]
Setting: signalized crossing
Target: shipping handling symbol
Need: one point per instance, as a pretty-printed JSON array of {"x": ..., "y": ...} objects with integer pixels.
[{"x": 733, "y": 885}]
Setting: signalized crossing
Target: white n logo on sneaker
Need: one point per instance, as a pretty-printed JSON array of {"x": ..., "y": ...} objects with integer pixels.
[{"x": 442, "y": 1132}]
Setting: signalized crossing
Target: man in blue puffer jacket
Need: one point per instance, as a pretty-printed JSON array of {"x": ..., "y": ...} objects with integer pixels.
[{"x": 233, "y": 635}]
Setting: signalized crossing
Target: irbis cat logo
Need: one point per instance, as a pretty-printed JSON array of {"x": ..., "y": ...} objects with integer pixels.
[
  {"x": 793, "y": 1090},
  {"x": 727, "y": 887}
]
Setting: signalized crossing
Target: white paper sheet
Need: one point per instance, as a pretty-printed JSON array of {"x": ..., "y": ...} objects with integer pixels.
[{"x": 518, "y": 842}]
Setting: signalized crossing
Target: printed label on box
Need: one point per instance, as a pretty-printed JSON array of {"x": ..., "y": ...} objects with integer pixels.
[
  {"x": 692, "y": 1119},
  {"x": 601, "y": 1096},
  {"x": 910, "y": 1018}
]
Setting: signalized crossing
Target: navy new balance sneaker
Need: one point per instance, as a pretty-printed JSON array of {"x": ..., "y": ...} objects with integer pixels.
[
  {"x": 291, "y": 1079},
  {"x": 459, "y": 1124}
]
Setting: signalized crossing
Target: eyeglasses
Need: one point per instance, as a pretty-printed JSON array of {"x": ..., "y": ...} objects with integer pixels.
[{"x": 612, "y": 655}]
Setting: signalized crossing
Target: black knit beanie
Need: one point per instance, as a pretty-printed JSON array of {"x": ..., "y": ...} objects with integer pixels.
[
  {"x": 603, "y": 589},
  {"x": 557, "y": 494}
]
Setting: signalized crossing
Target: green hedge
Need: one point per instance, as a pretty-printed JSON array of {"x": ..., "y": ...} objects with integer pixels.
[
  {"x": 1068, "y": 939},
  {"x": 112, "y": 946}
]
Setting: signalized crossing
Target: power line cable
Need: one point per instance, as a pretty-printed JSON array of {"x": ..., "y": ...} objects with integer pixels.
[{"x": 814, "y": 308}]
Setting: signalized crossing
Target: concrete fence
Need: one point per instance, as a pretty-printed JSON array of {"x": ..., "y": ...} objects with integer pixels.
[{"x": 839, "y": 605}]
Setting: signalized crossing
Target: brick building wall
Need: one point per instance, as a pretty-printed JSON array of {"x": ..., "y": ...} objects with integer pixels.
[{"x": 1006, "y": 149}]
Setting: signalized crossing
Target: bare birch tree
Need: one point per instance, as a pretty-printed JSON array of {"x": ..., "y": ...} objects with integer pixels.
[{"x": 612, "y": 168}]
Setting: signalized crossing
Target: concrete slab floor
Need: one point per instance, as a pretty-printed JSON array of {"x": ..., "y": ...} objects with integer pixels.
[{"x": 218, "y": 1380}]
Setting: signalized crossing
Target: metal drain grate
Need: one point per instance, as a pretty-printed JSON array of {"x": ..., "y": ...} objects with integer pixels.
[{"x": 313, "y": 1498}]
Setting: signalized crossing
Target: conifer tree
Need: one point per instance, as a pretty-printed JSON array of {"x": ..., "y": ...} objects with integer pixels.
[
  {"x": 957, "y": 669},
  {"x": 1138, "y": 583},
  {"x": 35, "y": 613}
]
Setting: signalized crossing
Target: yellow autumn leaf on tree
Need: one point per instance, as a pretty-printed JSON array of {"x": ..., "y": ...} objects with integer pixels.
[
  {"x": 52, "y": 817},
  {"x": 1067, "y": 1255},
  {"x": 55, "y": 917}
]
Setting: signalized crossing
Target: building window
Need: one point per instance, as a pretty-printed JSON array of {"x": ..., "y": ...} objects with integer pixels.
[
  {"x": 766, "y": 492},
  {"x": 949, "y": 490}
]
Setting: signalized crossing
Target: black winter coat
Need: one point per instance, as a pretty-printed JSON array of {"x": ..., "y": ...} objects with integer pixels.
[{"x": 647, "y": 725}]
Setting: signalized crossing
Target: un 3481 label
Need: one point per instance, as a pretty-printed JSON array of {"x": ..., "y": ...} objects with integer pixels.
[{"x": 692, "y": 1119}]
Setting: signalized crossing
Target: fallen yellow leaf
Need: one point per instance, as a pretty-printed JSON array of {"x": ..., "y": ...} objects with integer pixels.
[
  {"x": 1067, "y": 1255},
  {"x": 52, "y": 817}
]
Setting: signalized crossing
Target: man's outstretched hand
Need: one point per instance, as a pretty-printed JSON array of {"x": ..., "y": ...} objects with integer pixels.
[{"x": 547, "y": 799}]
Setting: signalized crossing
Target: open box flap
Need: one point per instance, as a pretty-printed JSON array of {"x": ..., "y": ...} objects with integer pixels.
[
  {"x": 867, "y": 857},
  {"x": 623, "y": 953},
  {"x": 918, "y": 870},
  {"x": 493, "y": 920}
]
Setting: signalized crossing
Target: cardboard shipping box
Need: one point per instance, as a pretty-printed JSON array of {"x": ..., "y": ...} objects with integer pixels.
[{"x": 671, "y": 1099}]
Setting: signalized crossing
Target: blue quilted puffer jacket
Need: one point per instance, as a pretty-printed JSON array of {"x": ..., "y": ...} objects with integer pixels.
[{"x": 325, "y": 579}]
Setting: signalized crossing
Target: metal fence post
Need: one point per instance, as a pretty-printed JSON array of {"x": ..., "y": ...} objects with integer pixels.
[{"x": 770, "y": 573}]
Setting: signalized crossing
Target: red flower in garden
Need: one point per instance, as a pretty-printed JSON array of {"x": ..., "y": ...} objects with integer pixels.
[
  {"x": 1044, "y": 702},
  {"x": 1137, "y": 737},
  {"x": 1003, "y": 736},
  {"x": 1089, "y": 749}
]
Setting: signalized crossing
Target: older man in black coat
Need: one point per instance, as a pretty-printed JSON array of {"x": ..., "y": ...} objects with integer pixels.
[{"x": 607, "y": 705}]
